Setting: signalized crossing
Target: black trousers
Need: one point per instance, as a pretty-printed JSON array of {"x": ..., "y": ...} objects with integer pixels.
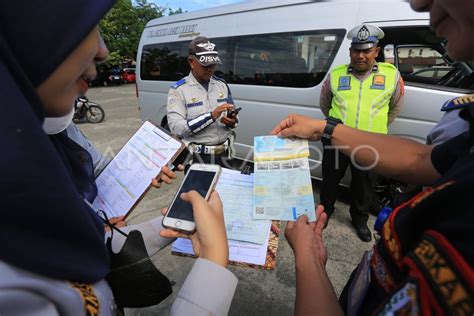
[{"x": 360, "y": 191}]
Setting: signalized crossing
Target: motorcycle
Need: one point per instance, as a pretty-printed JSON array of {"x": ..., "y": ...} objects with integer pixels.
[{"x": 90, "y": 111}]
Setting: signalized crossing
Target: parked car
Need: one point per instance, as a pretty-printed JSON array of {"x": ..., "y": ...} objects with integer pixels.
[
  {"x": 128, "y": 75},
  {"x": 106, "y": 78}
]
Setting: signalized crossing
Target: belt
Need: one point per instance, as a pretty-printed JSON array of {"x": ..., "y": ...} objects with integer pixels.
[{"x": 208, "y": 149}]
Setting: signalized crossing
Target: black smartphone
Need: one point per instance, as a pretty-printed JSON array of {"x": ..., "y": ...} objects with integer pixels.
[{"x": 233, "y": 113}]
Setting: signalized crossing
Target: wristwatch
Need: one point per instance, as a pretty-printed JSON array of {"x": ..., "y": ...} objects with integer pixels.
[{"x": 331, "y": 123}]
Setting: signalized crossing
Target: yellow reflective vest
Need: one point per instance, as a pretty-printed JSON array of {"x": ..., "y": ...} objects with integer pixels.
[{"x": 363, "y": 104}]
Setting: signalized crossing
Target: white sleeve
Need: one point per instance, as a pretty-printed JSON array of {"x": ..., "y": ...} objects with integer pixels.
[
  {"x": 208, "y": 290},
  {"x": 176, "y": 109}
]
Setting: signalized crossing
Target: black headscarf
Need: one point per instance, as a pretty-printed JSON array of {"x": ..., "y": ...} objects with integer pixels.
[{"x": 45, "y": 226}]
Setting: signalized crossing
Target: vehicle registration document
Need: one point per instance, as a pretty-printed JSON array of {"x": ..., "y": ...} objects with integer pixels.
[
  {"x": 128, "y": 176},
  {"x": 236, "y": 192},
  {"x": 282, "y": 181}
]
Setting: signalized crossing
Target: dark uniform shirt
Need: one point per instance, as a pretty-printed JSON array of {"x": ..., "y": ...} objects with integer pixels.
[{"x": 423, "y": 262}]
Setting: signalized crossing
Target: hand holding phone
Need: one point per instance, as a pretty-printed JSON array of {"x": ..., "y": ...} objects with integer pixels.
[
  {"x": 233, "y": 113},
  {"x": 201, "y": 178}
]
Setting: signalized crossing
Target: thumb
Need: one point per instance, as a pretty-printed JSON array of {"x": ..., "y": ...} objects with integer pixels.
[
  {"x": 303, "y": 219},
  {"x": 194, "y": 198}
]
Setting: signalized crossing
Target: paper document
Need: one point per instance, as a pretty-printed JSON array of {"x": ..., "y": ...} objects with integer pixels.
[
  {"x": 129, "y": 174},
  {"x": 236, "y": 192},
  {"x": 282, "y": 181},
  {"x": 239, "y": 251}
]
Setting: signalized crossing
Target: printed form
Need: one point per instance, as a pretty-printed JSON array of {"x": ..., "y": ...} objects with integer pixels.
[
  {"x": 236, "y": 192},
  {"x": 248, "y": 239},
  {"x": 282, "y": 181},
  {"x": 125, "y": 179},
  {"x": 239, "y": 251}
]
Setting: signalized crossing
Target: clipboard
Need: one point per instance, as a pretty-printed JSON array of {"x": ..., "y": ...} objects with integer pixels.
[{"x": 128, "y": 176}]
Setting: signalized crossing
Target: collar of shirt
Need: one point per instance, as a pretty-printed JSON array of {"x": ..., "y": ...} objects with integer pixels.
[
  {"x": 192, "y": 81},
  {"x": 350, "y": 70}
]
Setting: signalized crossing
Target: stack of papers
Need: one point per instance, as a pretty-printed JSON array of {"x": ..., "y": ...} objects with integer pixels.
[
  {"x": 248, "y": 239},
  {"x": 127, "y": 177}
]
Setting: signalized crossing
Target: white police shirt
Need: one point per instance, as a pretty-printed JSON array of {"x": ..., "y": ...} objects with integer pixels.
[{"x": 189, "y": 110}]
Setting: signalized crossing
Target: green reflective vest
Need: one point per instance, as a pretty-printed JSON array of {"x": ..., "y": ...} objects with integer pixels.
[{"x": 363, "y": 104}]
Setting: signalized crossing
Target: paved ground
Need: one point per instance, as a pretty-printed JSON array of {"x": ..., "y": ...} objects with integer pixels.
[{"x": 259, "y": 292}]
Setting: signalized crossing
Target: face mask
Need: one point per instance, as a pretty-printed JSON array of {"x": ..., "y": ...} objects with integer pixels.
[{"x": 55, "y": 125}]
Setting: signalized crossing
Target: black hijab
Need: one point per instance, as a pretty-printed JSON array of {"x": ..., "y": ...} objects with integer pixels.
[{"x": 45, "y": 226}]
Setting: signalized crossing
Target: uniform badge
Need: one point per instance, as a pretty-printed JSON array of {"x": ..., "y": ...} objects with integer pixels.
[
  {"x": 194, "y": 102},
  {"x": 363, "y": 34},
  {"x": 378, "y": 82},
  {"x": 221, "y": 95},
  {"x": 344, "y": 83}
]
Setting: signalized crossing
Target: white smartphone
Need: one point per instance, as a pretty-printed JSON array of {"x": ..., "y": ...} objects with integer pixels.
[{"x": 203, "y": 179}]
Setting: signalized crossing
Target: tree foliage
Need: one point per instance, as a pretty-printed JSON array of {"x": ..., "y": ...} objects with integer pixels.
[{"x": 122, "y": 27}]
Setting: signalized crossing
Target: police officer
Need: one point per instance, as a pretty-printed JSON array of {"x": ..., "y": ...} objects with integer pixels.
[
  {"x": 365, "y": 95},
  {"x": 200, "y": 107}
]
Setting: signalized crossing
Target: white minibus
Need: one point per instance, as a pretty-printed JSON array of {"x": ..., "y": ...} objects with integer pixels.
[{"x": 303, "y": 40}]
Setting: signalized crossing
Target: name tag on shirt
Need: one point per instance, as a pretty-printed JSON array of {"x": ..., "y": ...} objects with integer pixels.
[{"x": 190, "y": 105}]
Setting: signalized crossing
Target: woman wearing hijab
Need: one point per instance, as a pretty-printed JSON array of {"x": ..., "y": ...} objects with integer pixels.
[{"x": 52, "y": 254}]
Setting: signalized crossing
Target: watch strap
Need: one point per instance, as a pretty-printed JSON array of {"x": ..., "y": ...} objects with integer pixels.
[{"x": 331, "y": 123}]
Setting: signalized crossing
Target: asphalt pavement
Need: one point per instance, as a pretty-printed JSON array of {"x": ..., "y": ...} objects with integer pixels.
[{"x": 259, "y": 292}]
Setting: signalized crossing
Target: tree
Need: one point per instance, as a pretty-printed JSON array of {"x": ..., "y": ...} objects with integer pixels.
[{"x": 122, "y": 27}]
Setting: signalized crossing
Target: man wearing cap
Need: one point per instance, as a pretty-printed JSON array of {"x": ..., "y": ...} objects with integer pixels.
[
  {"x": 365, "y": 95},
  {"x": 200, "y": 107}
]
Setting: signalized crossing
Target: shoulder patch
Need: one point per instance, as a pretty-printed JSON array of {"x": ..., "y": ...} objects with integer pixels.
[
  {"x": 458, "y": 103},
  {"x": 219, "y": 79},
  {"x": 178, "y": 83}
]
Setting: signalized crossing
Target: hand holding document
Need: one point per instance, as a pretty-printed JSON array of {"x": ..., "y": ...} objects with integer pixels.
[
  {"x": 282, "y": 184},
  {"x": 236, "y": 192},
  {"x": 127, "y": 177},
  {"x": 251, "y": 242}
]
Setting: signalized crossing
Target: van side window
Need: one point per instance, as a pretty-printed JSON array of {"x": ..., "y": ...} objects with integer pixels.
[
  {"x": 283, "y": 59},
  {"x": 419, "y": 63},
  {"x": 422, "y": 59}
]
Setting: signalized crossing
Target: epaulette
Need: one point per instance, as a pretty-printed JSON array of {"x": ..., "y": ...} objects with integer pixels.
[
  {"x": 219, "y": 79},
  {"x": 458, "y": 103},
  {"x": 223, "y": 81},
  {"x": 178, "y": 83}
]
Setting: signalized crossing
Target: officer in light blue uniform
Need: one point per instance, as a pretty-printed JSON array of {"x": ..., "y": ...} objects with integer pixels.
[
  {"x": 200, "y": 107},
  {"x": 451, "y": 124}
]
